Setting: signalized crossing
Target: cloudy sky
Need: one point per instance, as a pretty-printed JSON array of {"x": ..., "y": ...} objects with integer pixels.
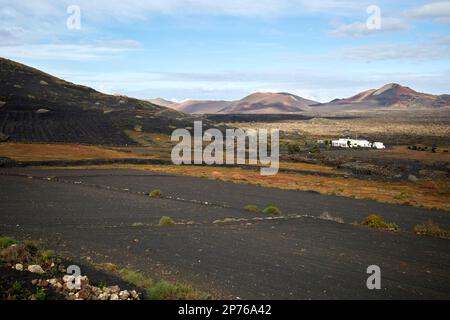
[{"x": 208, "y": 49}]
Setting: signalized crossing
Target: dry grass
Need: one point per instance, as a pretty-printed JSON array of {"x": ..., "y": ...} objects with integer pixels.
[
  {"x": 43, "y": 152},
  {"x": 310, "y": 167},
  {"x": 424, "y": 193},
  {"x": 362, "y": 126}
]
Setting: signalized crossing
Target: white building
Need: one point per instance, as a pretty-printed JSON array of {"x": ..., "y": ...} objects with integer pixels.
[
  {"x": 378, "y": 145},
  {"x": 356, "y": 143}
]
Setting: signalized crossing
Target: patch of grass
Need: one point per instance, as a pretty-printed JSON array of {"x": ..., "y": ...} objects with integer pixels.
[
  {"x": 164, "y": 290},
  {"x": 136, "y": 278},
  {"x": 432, "y": 229},
  {"x": 155, "y": 193},
  {"x": 166, "y": 221},
  {"x": 6, "y": 242},
  {"x": 251, "y": 208},
  {"x": 272, "y": 211},
  {"x": 401, "y": 196},
  {"x": 47, "y": 255},
  {"x": 16, "y": 286},
  {"x": 31, "y": 245},
  {"x": 377, "y": 222},
  {"x": 40, "y": 294}
]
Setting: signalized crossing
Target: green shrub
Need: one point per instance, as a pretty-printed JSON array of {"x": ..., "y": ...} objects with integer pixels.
[
  {"x": 272, "y": 211},
  {"x": 40, "y": 294},
  {"x": 47, "y": 255},
  {"x": 432, "y": 229},
  {"x": 314, "y": 149},
  {"x": 166, "y": 221},
  {"x": 377, "y": 222},
  {"x": 251, "y": 208},
  {"x": 155, "y": 193},
  {"x": 136, "y": 278},
  {"x": 6, "y": 242},
  {"x": 164, "y": 290}
]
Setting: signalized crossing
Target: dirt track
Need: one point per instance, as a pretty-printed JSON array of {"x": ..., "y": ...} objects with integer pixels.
[{"x": 91, "y": 213}]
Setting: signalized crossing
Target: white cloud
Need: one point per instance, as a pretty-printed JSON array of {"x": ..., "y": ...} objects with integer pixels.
[
  {"x": 358, "y": 29},
  {"x": 435, "y": 49},
  {"x": 438, "y": 11},
  {"x": 72, "y": 52},
  {"x": 138, "y": 9}
]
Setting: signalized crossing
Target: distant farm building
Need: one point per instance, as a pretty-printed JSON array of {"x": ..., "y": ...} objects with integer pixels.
[{"x": 356, "y": 143}]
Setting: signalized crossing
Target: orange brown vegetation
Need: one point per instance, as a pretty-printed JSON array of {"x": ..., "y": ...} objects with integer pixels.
[
  {"x": 43, "y": 152},
  {"x": 427, "y": 194}
]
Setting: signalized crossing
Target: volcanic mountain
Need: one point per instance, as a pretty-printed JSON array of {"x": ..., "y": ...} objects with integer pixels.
[
  {"x": 256, "y": 103},
  {"x": 201, "y": 106},
  {"x": 392, "y": 96},
  {"x": 38, "y": 107},
  {"x": 161, "y": 102}
]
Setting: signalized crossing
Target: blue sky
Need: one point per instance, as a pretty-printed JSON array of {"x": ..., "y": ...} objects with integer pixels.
[{"x": 199, "y": 49}]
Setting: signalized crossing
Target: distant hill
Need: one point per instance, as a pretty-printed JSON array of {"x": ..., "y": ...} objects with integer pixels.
[
  {"x": 201, "y": 106},
  {"x": 390, "y": 96},
  {"x": 269, "y": 103},
  {"x": 257, "y": 103},
  {"x": 35, "y": 106},
  {"x": 161, "y": 102}
]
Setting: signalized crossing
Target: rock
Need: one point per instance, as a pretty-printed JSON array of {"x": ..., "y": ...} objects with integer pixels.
[
  {"x": 412, "y": 178},
  {"x": 134, "y": 294},
  {"x": 42, "y": 111},
  {"x": 34, "y": 282},
  {"x": 103, "y": 296},
  {"x": 68, "y": 278},
  {"x": 124, "y": 295},
  {"x": 18, "y": 267},
  {"x": 114, "y": 289},
  {"x": 35, "y": 268},
  {"x": 114, "y": 297},
  {"x": 42, "y": 283},
  {"x": 3, "y": 137},
  {"x": 52, "y": 281}
]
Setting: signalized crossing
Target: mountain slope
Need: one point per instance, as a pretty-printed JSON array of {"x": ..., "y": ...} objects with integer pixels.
[
  {"x": 201, "y": 106},
  {"x": 161, "y": 102},
  {"x": 35, "y": 106},
  {"x": 256, "y": 103},
  {"x": 269, "y": 103},
  {"x": 393, "y": 96}
]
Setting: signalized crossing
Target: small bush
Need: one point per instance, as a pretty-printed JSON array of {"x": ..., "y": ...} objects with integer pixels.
[
  {"x": 432, "y": 229},
  {"x": 314, "y": 149},
  {"x": 155, "y": 193},
  {"x": 47, "y": 255},
  {"x": 6, "y": 242},
  {"x": 31, "y": 246},
  {"x": 40, "y": 294},
  {"x": 272, "y": 211},
  {"x": 164, "y": 290},
  {"x": 251, "y": 208},
  {"x": 166, "y": 221},
  {"x": 377, "y": 222},
  {"x": 136, "y": 278}
]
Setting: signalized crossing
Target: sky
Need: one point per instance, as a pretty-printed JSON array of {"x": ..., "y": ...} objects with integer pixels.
[{"x": 225, "y": 50}]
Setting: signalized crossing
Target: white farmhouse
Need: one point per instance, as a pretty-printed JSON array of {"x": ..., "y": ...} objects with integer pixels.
[
  {"x": 356, "y": 143},
  {"x": 378, "y": 145}
]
